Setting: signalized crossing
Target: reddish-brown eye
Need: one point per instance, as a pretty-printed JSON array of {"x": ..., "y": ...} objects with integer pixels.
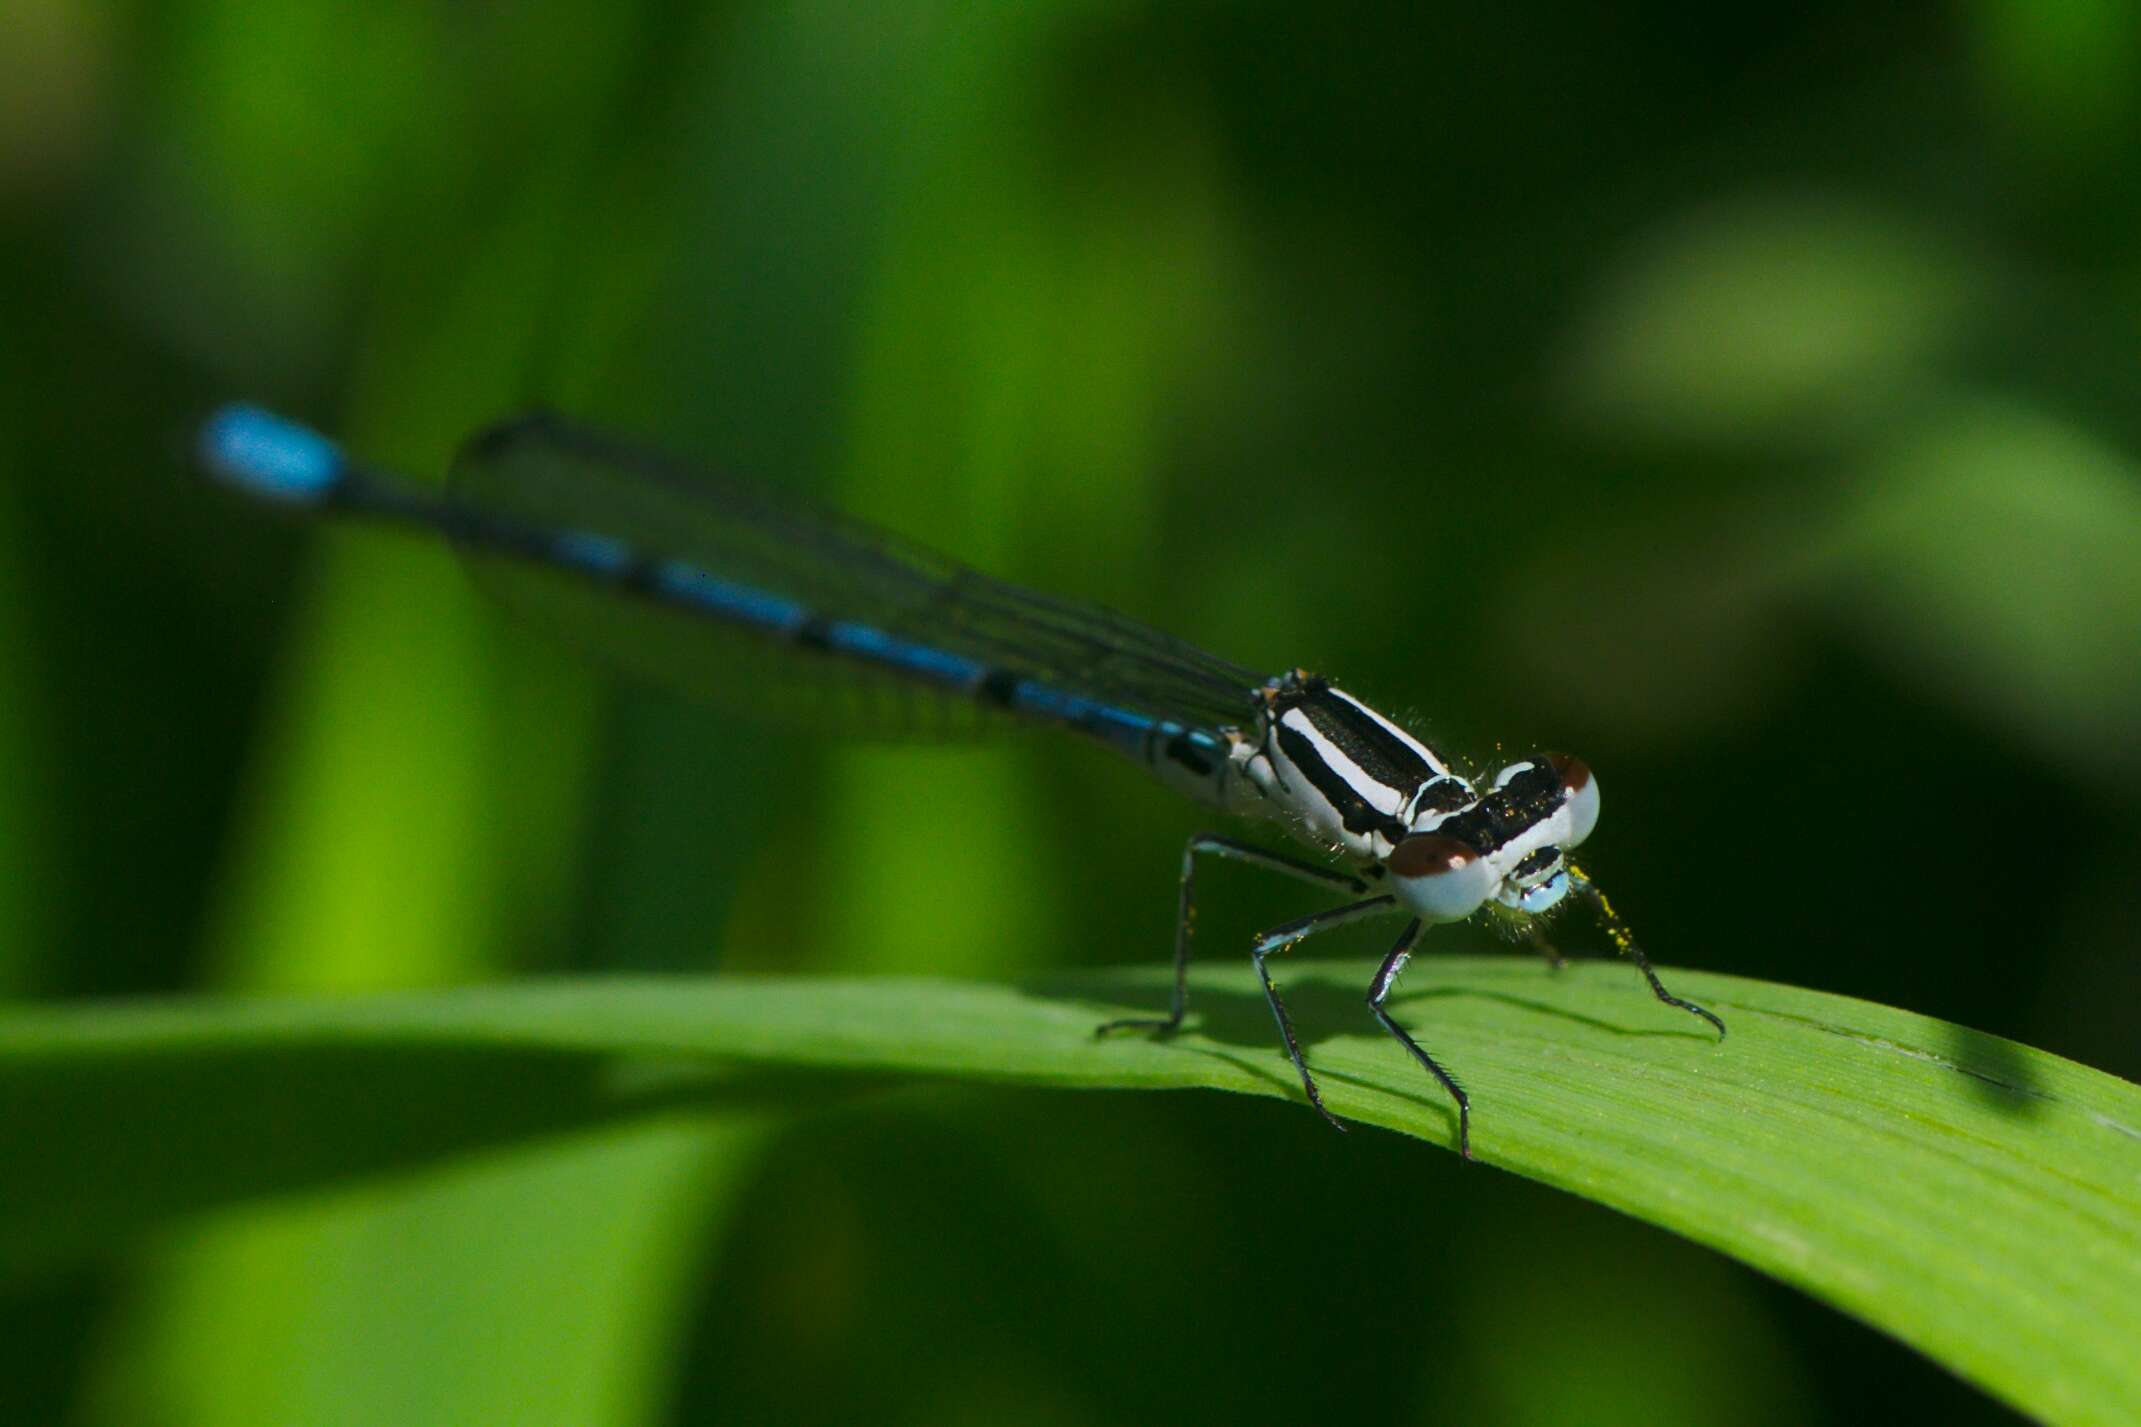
[
  {"x": 1582, "y": 792},
  {"x": 1429, "y": 855},
  {"x": 1440, "y": 878},
  {"x": 1575, "y": 773}
]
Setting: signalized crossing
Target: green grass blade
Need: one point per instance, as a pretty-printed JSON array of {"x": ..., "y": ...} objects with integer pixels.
[{"x": 1976, "y": 1198}]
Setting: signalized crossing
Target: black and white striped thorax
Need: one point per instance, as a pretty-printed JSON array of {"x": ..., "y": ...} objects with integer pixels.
[
  {"x": 1346, "y": 776},
  {"x": 1345, "y": 773}
]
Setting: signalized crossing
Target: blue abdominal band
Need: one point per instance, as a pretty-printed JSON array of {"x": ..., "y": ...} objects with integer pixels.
[{"x": 264, "y": 455}]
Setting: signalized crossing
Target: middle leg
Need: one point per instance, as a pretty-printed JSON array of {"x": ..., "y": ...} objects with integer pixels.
[{"x": 1283, "y": 938}]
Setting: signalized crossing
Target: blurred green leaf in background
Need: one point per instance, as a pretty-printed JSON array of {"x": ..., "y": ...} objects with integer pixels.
[{"x": 1744, "y": 401}]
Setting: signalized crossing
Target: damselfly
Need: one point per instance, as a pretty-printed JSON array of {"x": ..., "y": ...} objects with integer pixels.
[{"x": 651, "y": 538}]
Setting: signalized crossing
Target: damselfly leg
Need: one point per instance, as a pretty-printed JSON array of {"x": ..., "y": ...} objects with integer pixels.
[
  {"x": 1545, "y": 948},
  {"x": 1624, "y": 940},
  {"x": 1186, "y": 915},
  {"x": 1386, "y": 976},
  {"x": 1285, "y": 938}
]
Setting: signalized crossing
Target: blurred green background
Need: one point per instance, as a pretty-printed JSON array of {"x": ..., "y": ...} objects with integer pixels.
[{"x": 1743, "y": 401}]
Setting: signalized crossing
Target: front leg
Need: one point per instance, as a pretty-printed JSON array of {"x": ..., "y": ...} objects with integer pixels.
[
  {"x": 1545, "y": 948},
  {"x": 1625, "y": 941}
]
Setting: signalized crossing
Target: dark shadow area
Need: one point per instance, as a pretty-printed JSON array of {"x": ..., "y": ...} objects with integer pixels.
[
  {"x": 1322, "y": 1004},
  {"x": 206, "y": 1129},
  {"x": 1993, "y": 1068},
  {"x": 1687, "y": 1027},
  {"x": 1986, "y": 1065}
]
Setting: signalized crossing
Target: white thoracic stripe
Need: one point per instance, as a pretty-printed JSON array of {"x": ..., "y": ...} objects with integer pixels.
[
  {"x": 1503, "y": 778},
  {"x": 1295, "y": 797}
]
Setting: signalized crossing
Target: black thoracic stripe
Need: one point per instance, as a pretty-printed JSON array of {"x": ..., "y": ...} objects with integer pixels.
[
  {"x": 1353, "y": 810},
  {"x": 1507, "y": 811},
  {"x": 1358, "y": 736}
]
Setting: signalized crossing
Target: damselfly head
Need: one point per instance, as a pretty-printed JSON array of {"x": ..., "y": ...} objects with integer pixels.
[{"x": 1509, "y": 845}]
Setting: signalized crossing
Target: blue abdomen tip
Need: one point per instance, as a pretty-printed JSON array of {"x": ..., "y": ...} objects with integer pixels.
[{"x": 268, "y": 456}]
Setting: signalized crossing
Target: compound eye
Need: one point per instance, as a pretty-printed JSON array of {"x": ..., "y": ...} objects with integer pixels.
[
  {"x": 1440, "y": 878},
  {"x": 1545, "y": 896},
  {"x": 1582, "y": 793}
]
